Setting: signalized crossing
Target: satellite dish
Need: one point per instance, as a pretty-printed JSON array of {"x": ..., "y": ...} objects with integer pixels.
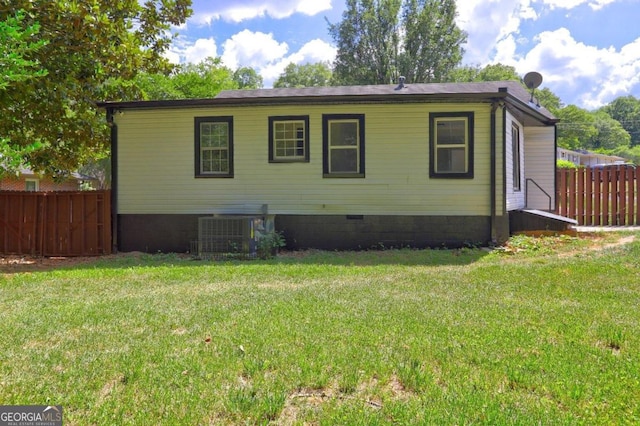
[{"x": 532, "y": 80}]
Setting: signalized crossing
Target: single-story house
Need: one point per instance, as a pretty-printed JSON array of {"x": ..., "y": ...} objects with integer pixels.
[
  {"x": 582, "y": 157},
  {"x": 334, "y": 167},
  {"x": 28, "y": 180}
]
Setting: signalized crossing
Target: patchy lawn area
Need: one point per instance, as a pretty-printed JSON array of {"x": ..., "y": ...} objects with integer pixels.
[{"x": 541, "y": 331}]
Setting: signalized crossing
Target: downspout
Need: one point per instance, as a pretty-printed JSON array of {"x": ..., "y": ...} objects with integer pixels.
[
  {"x": 114, "y": 179},
  {"x": 504, "y": 160},
  {"x": 555, "y": 165},
  {"x": 493, "y": 168}
]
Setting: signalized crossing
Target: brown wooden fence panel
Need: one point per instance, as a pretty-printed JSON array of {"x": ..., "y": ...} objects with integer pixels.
[
  {"x": 599, "y": 196},
  {"x": 55, "y": 223}
]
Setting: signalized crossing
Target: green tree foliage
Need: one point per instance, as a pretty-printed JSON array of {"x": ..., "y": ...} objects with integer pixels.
[
  {"x": 203, "y": 80},
  {"x": 631, "y": 153},
  {"x": 501, "y": 72},
  {"x": 548, "y": 99},
  {"x": 99, "y": 169},
  {"x": 431, "y": 43},
  {"x": 247, "y": 78},
  {"x": 155, "y": 86},
  {"x": 492, "y": 72},
  {"x": 610, "y": 134},
  {"x": 306, "y": 75},
  {"x": 17, "y": 44},
  {"x": 626, "y": 110},
  {"x": 91, "y": 50},
  {"x": 379, "y": 40},
  {"x": 187, "y": 81},
  {"x": 576, "y": 126}
]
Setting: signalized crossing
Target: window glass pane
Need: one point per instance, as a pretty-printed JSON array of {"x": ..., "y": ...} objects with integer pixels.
[
  {"x": 451, "y": 132},
  {"x": 344, "y": 161},
  {"x": 515, "y": 152},
  {"x": 451, "y": 160},
  {"x": 288, "y": 139},
  {"x": 343, "y": 134}
]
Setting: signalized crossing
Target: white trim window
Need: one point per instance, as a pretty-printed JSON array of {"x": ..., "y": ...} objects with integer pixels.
[
  {"x": 289, "y": 139},
  {"x": 214, "y": 146},
  {"x": 31, "y": 185},
  {"x": 451, "y": 145},
  {"x": 343, "y": 143},
  {"x": 515, "y": 155}
]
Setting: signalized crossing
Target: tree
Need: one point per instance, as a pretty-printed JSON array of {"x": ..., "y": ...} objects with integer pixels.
[
  {"x": 91, "y": 51},
  {"x": 188, "y": 81},
  {"x": 379, "y": 40},
  {"x": 501, "y": 72},
  {"x": 203, "y": 80},
  {"x": 306, "y": 75},
  {"x": 247, "y": 78},
  {"x": 16, "y": 45},
  {"x": 432, "y": 42},
  {"x": 631, "y": 153},
  {"x": 576, "y": 126},
  {"x": 492, "y": 72},
  {"x": 626, "y": 110},
  {"x": 155, "y": 86},
  {"x": 610, "y": 134},
  {"x": 549, "y": 100}
]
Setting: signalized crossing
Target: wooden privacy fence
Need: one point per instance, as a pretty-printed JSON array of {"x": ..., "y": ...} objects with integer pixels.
[
  {"x": 55, "y": 223},
  {"x": 604, "y": 196}
]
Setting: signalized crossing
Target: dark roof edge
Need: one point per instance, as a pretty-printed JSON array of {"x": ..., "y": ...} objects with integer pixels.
[
  {"x": 502, "y": 94},
  {"x": 532, "y": 110},
  {"x": 296, "y": 100}
]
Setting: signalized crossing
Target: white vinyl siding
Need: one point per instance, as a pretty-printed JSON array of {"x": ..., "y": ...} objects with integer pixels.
[
  {"x": 515, "y": 197},
  {"x": 540, "y": 166},
  {"x": 156, "y": 157}
]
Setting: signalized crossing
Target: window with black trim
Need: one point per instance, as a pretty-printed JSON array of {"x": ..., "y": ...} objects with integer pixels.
[
  {"x": 343, "y": 145},
  {"x": 289, "y": 139},
  {"x": 214, "y": 146},
  {"x": 451, "y": 145},
  {"x": 515, "y": 153}
]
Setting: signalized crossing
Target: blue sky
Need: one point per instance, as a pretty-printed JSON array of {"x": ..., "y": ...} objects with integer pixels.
[{"x": 588, "y": 51}]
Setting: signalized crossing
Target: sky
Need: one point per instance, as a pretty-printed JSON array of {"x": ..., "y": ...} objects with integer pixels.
[{"x": 588, "y": 51}]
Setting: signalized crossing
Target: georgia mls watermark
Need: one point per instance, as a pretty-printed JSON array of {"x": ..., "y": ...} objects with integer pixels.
[{"x": 30, "y": 415}]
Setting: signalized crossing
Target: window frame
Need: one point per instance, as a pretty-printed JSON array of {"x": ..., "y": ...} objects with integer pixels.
[
  {"x": 516, "y": 155},
  {"x": 273, "y": 120},
  {"x": 434, "y": 118},
  {"x": 35, "y": 182},
  {"x": 198, "y": 121},
  {"x": 327, "y": 119}
]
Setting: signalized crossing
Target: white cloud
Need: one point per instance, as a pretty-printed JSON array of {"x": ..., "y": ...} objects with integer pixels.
[
  {"x": 238, "y": 11},
  {"x": 252, "y": 49},
  {"x": 570, "y": 4},
  {"x": 201, "y": 49},
  {"x": 311, "y": 53},
  {"x": 270, "y": 57},
  {"x": 184, "y": 51},
  {"x": 592, "y": 76},
  {"x": 490, "y": 23}
]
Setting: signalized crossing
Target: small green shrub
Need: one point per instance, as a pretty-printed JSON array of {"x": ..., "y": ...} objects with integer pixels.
[
  {"x": 565, "y": 164},
  {"x": 269, "y": 244}
]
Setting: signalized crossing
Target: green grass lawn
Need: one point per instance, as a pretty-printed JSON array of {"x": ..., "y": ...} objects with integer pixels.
[{"x": 546, "y": 331}]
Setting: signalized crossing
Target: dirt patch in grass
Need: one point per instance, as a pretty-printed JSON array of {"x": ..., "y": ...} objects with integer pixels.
[{"x": 13, "y": 264}]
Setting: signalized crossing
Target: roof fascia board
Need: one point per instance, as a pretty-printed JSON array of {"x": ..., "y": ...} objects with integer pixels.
[{"x": 304, "y": 100}]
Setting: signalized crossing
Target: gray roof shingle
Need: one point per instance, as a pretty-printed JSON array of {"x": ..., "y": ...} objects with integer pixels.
[{"x": 512, "y": 91}]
